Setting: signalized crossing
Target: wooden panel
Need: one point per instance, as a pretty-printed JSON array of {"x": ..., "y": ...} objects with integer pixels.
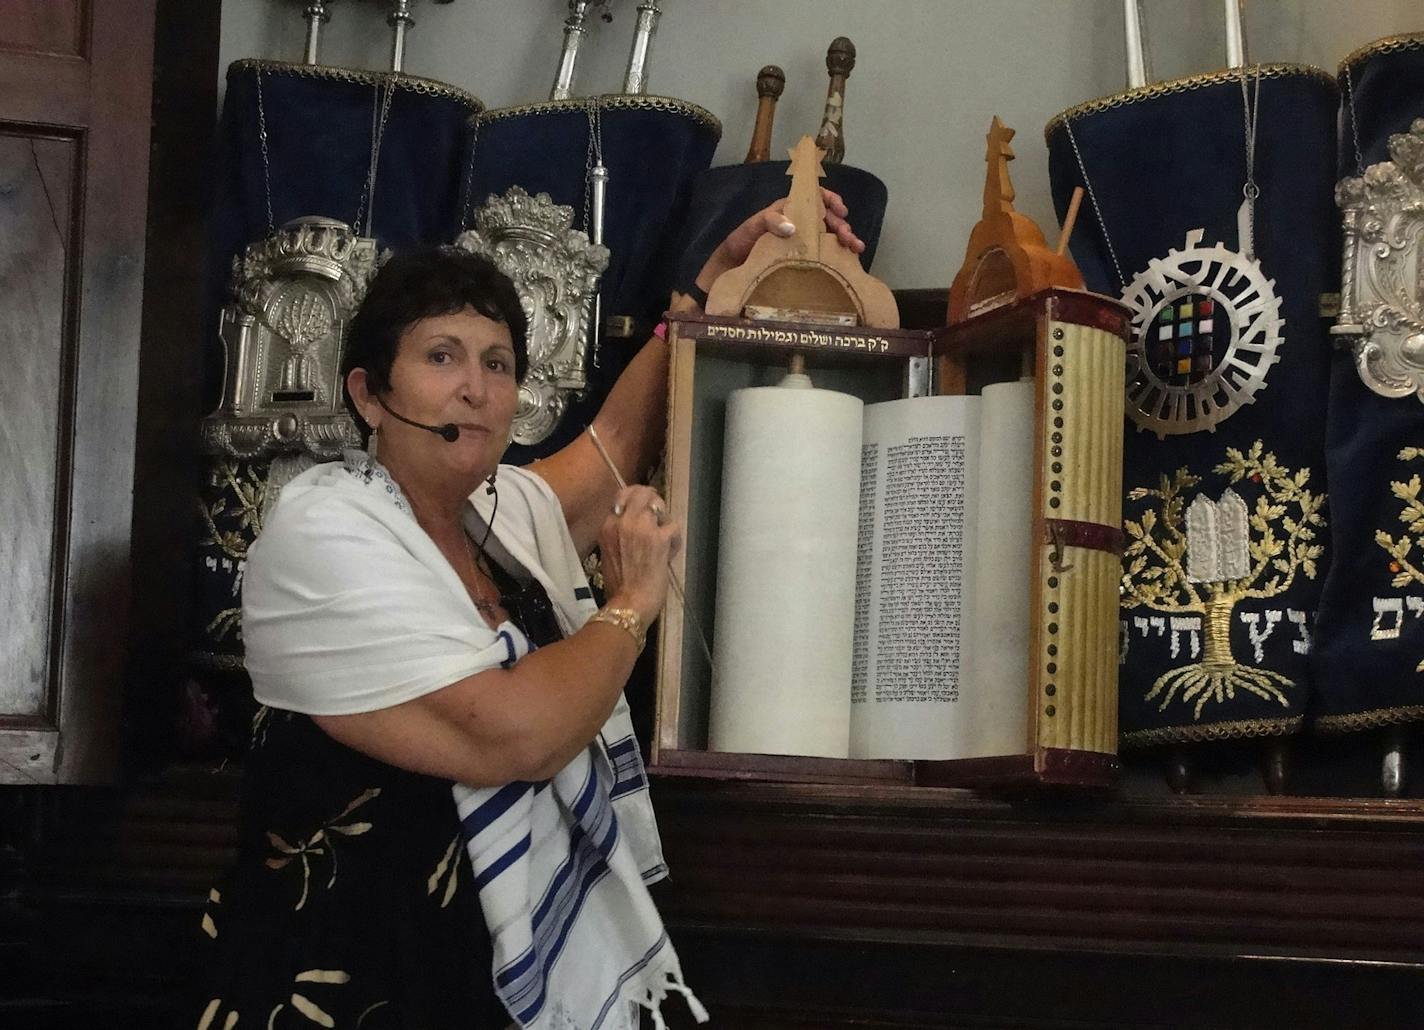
[
  {"x": 37, "y": 219},
  {"x": 73, "y": 178},
  {"x": 44, "y": 26}
]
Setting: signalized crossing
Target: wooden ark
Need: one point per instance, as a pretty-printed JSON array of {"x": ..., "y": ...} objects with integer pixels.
[{"x": 1074, "y": 344}]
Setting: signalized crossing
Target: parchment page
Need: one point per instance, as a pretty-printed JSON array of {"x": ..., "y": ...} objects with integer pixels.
[{"x": 911, "y": 655}]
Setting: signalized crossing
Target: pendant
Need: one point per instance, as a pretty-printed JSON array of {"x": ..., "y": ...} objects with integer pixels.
[{"x": 1206, "y": 327}]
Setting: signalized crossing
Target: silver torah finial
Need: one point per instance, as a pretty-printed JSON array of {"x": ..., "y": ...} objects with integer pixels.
[
  {"x": 1381, "y": 290},
  {"x": 575, "y": 29},
  {"x": 1235, "y": 33},
  {"x": 400, "y": 21},
  {"x": 636, "y": 80},
  {"x": 316, "y": 15},
  {"x": 293, "y": 295},
  {"x": 1139, "y": 71},
  {"x": 556, "y": 271}
]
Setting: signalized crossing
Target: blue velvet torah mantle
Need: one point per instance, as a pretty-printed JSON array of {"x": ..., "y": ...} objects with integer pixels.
[
  {"x": 1225, "y": 517},
  {"x": 319, "y": 122},
  {"x": 724, "y": 197},
  {"x": 1369, "y": 654},
  {"x": 653, "y": 148}
]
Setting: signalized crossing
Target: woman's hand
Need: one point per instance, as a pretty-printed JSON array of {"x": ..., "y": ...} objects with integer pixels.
[
  {"x": 735, "y": 248},
  {"x": 637, "y": 541}
]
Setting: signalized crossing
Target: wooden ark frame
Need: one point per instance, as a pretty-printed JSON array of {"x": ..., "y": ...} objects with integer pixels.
[{"x": 1015, "y": 338}]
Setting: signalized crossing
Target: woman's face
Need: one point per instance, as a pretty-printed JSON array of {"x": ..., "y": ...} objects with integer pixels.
[{"x": 456, "y": 368}]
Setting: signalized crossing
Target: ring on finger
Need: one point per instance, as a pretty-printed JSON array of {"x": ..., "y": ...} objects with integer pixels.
[
  {"x": 618, "y": 509},
  {"x": 658, "y": 513}
]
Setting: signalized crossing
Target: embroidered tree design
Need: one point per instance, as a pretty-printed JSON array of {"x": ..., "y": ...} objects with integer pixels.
[
  {"x": 231, "y": 530},
  {"x": 1158, "y": 572},
  {"x": 1400, "y": 551}
]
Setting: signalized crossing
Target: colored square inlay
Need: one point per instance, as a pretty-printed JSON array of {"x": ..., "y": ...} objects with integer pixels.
[{"x": 1181, "y": 353}]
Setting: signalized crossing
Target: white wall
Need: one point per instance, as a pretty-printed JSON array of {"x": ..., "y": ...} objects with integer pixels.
[{"x": 929, "y": 75}]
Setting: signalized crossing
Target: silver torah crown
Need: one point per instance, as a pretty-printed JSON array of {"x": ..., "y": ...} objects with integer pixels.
[
  {"x": 293, "y": 295},
  {"x": 556, "y": 272},
  {"x": 1382, "y": 282}
]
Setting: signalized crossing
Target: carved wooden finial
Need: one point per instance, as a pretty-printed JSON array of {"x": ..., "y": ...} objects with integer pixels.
[
  {"x": 1007, "y": 257},
  {"x": 840, "y": 59},
  {"x": 998, "y": 189},
  {"x": 808, "y": 276},
  {"x": 771, "y": 80},
  {"x": 840, "y": 56},
  {"x": 804, "y": 207}
]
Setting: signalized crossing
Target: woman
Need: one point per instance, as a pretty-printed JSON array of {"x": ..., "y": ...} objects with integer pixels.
[{"x": 422, "y": 804}]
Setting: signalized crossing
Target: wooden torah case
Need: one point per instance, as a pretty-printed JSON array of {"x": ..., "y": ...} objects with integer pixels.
[{"x": 1073, "y": 344}]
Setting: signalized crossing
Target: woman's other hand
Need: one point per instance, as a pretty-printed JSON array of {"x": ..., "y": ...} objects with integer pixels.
[
  {"x": 637, "y": 541},
  {"x": 734, "y": 249}
]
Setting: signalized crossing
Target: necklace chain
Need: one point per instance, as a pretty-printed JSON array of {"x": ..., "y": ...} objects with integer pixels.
[{"x": 486, "y": 608}]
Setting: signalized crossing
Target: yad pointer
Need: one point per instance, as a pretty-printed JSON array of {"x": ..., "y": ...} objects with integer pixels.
[{"x": 672, "y": 575}]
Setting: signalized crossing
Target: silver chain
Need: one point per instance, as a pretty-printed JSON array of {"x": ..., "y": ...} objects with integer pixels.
[
  {"x": 1097, "y": 210},
  {"x": 266, "y": 160},
  {"x": 1250, "y": 110},
  {"x": 467, "y": 195},
  {"x": 1354, "y": 121},
  {"x": 593, "y": 155},
  {"x": 381, "y": 99}
]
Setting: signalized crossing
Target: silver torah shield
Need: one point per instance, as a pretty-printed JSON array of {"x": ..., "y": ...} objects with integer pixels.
[
  {"x": 293, "y": 295},
  {"x": 1382, "y": 280},
  {"x": 556, "y": 271}
]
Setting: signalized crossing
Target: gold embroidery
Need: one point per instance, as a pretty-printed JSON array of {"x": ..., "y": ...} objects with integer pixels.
[
  {"x": 608, "y": 102},
  {"x": 1183, "y": 85},
  {"x": 250, "y": 492},
  {"x": 1155, "y": 574},
  {"x": 449, "y": 864},
  {"x": 1412, "y": 515},
  {"x": 323, "y": 842},
  {"x": 414, "y": 83},
  {"x": 1213, "y": 731},
  {"x": 1371, "y": 720},
  {"x": 1387, "y": 45},
  {"x": 209, "y": 927}
]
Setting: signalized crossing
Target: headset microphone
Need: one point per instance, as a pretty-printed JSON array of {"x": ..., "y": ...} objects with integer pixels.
[{"x": 449, "y": 432}]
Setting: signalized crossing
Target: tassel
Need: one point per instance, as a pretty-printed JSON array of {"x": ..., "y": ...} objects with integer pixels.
[{"x": 694, "y": 1006}]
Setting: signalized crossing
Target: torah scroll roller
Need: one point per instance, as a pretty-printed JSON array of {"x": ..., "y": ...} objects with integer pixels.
[
  {"x": 840, "y": 61},
  {"x": 636, "y": 80},
  {"x": 771, "y": 80}
]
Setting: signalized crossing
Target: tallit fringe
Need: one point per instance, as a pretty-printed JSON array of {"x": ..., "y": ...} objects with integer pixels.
[{"x": 651, "y": 989}]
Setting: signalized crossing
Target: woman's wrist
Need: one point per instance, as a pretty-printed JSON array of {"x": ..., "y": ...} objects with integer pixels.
[{"x": 625, "y": 618}]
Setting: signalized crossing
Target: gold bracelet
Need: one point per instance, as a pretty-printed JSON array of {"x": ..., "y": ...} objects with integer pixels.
[{"x": 625, "y": 619}]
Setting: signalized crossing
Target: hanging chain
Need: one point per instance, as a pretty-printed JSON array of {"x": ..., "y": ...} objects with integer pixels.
[
  {"x": 266, "y": 160},
  {"x": 467, "y": 195},
  {"x": 1097, "y": 210},
  {"x": 382, "y": 100},
  {"x": 1250, "y": 110},
  {"x": 1354, "y": 121}
]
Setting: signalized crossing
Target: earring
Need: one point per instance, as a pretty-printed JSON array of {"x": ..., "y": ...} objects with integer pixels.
[{"x": 371, "y": 443}]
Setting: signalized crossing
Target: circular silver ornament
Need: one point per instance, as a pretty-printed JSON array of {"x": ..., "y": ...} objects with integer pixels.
[{"x": 1206, "y": 327}]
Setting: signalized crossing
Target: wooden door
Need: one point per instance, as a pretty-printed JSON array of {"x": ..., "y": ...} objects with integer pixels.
[{"x": 74, "y": 129}]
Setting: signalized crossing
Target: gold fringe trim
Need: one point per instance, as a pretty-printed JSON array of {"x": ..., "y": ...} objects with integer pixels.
[
  {"x": 1386, "y": 45},
  {"x": 1330, "y": 724},
  {"x": 1215, "y": 731},
  {"x": 610, "y": 102},
  {"x": 215, "y": 662},
  {"x": 414, "y": 83},
  {"x": 1186, "y": 85}
]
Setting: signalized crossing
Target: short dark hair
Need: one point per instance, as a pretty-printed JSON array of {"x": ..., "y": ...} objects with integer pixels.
[{"x": 423, "y": 283}]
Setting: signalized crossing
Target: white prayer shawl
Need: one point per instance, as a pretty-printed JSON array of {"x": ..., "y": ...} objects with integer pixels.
[{"x": 348, "y": 606}]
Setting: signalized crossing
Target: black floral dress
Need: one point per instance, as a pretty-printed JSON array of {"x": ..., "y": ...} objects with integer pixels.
[{"x": 352, "y": 904}]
